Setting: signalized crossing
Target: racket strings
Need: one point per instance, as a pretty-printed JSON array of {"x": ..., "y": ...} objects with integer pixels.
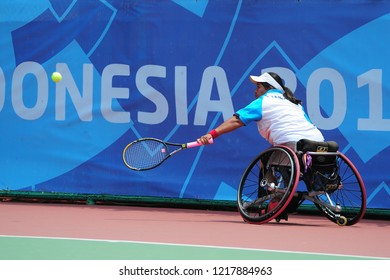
[{"x": 145, "y": 154}]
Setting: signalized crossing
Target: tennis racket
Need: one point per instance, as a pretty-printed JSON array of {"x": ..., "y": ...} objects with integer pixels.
[{"x": 148, "y": 153}]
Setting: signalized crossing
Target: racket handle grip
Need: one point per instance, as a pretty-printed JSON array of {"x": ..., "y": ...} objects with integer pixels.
[{"x": 196, "y": 144}]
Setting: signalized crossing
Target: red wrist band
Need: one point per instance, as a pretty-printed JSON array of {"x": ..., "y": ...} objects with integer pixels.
[{"x": 214, "y": 133}]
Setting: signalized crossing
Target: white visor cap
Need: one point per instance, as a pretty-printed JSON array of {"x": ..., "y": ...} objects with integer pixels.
[{"x": 266, "y": 78}]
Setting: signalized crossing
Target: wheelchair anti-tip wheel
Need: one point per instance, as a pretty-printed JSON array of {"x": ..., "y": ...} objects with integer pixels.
[
  {"x": 341, "y": 221},
  {"x": 268, "y": 185}
]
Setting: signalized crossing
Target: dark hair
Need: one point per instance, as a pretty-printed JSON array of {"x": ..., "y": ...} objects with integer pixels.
[{"x": 288, "y": 94}]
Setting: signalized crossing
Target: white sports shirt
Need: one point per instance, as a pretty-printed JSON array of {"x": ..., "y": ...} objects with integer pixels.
[{"x": 279, "y": 120}]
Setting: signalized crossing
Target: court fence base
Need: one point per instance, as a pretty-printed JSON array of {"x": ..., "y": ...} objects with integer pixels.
[{"x": 145, "y": 201}]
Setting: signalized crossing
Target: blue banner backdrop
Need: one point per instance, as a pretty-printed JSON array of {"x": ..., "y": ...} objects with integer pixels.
[{"x": 174, "y": 69}]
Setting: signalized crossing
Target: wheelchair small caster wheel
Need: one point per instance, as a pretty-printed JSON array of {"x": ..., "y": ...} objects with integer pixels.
[
  {"x": 341, "y": 221},
  {"x": 283, "y": 216}
]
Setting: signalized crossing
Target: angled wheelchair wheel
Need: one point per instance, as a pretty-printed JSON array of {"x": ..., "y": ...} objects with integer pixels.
[
  {"x": 348, "y": 197},
  {"x": 268, "y": 185}
]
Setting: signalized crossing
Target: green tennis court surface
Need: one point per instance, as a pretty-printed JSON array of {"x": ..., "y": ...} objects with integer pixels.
[{"x": 37, "y": 248}]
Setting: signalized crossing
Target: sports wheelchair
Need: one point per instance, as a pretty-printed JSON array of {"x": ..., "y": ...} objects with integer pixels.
[{"x": 268, "y": 187}]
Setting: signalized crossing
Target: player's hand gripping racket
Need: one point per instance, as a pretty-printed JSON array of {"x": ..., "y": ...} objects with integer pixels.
[{"x": 147, "y": 153}]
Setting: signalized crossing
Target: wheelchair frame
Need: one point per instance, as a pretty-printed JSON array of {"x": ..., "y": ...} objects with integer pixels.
[{"x": 268, "y": 187}]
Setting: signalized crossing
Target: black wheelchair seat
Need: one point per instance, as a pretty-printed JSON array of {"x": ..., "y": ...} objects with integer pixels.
[
  {"x": 322, "y": 162},
  {"x": 306, "y": 145}
]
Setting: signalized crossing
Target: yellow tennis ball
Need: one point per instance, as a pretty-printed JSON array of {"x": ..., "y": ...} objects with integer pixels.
[{"x": 56, "y": 77}]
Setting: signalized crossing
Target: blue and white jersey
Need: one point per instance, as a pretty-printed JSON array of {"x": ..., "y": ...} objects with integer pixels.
[{"x": 279, "y": 120}]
